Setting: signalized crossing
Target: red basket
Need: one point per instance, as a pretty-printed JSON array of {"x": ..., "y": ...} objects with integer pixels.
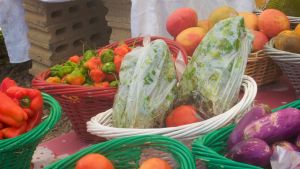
[{"x": 81, "y": 102}]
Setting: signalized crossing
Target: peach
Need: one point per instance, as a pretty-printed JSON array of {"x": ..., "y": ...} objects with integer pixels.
[
  {"x": 191, "y": 38},
  {"x": 221, "y": 13},
  {"x": 180, "y": 20},
  {"x": 260, "y": 39},
  {"x": 272, "y": 21},
  {"x": 251, "y": 20},
  {"x": 203, "y": 24}
]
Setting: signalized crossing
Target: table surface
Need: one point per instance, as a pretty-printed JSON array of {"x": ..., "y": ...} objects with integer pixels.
[{"x": 274, "y": 95}]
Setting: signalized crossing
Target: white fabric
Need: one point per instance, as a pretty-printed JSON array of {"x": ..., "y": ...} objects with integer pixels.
[
  {"x": 14, "y": 28},
  {"x": 148, "y": 17}
]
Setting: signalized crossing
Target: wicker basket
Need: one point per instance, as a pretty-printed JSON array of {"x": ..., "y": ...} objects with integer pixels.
[
  {"x": 262, "y": 68},
  {"x": 288, "y": 62},
  {"x": 16, "y": 153},
  {"x": 101, "y": 125},
  {"x": 81, "y": 103},
  {"x": 211, "y": 148},
  {"x": 127, "y": 153}
]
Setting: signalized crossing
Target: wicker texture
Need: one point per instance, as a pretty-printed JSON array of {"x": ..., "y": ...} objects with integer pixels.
[
  {"x": 101, "y": 125},
  {"x": 262, "y": 68},
  {"x": 127, "y": 153},
  {"x": 288, "y": 62},
  {"x": 80, "y": 103},
  {"x": 16, "y": 153},
  {"x": 211, "y": 148}
]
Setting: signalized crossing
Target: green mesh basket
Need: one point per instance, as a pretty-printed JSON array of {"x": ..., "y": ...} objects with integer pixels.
[
  {"x": 210, "y": 148},
  {"x": 16, "y": 153},
  {"x": 127, "y": 153}
]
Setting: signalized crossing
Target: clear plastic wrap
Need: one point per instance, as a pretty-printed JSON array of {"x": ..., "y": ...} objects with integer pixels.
[
  {"x": 285, "y": 159},
  {"x": 212, "y": 79},
  {"x": 147, "y": 87}
]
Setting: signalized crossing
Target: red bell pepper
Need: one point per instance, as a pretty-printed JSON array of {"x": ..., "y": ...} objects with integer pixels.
[
  {"x": 1, "y": 135},
  {"x": 11, "y": 132},
  {"x": 30, "y": 100},
  {"x": 7, "y": 83},
  {"x": 1, "y": 126},
  {"x": 10, "y": 113}
]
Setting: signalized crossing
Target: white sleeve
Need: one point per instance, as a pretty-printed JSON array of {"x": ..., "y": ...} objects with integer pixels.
[{"x": 14, "y": 30}]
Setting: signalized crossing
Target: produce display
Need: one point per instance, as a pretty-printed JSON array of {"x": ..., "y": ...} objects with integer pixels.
[
  {"x": 255, "y": 113},
  {"x": 256, "y": 136},
  {"x": 95, "y": 68},
  {"x": 148, "y": 84},
  {"x": 189, "y": 33},
  {"x": 20, "y": 109},
  {"x": 212, "y": 79},
  {"x": 182, "y": 25},
  {"x": 147, "y": 87},
  {"x": 151, "y": 94},
  {"x": 98, "y": 161}
]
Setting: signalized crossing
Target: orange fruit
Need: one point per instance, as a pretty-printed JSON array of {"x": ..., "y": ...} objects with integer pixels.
[
  {"x": 94, "y": 161},
  {"x": 182, "y": 115},
  {"x": 297, "y": 29},
  {"x": 155, "y": 163}
]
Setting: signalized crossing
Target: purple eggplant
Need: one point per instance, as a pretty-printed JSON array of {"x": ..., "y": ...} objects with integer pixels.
[
  {"x": 253, "y": 151},
  {"x": 286, "y": 145},
  {"x": 297, "y": 142},
  {"x": 281, "y": 125},
  {"x": 255, "y": 113}
]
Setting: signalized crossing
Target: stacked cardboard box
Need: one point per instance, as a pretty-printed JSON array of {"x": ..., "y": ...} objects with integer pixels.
[
  {"x": 118, "y": 18},
  {"x": 60, "y": 30}
]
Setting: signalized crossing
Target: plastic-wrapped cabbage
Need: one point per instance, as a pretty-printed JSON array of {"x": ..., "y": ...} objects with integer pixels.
[
  {"x": 147, "y": 87},
  {"x": 212, "y": 79}
]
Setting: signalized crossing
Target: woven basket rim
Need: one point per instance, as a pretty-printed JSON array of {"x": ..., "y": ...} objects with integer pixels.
[
  {"x": 39, "y": 131},
  {"x": 270, "y": 46},
  {"x": 93, "y": 126},
  {"x": 43, "y": 75},
  {"x": 257, "y": 56},
  {"x": 144, "y": 141}
]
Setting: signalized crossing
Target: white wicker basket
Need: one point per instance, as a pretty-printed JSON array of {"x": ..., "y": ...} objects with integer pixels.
[
  {"x": 288, "y": 62},
  {"x": 101, "y": 125}
]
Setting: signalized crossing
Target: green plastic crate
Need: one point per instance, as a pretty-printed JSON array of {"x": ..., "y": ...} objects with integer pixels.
[
  {"x": 125, "y": 153},
  {"x": 16, "y": 153},
  {"x": 211, "y": 147}
]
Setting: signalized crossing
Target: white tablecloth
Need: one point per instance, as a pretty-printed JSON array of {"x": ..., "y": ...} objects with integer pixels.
[{"x": 148, "y": 17}]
